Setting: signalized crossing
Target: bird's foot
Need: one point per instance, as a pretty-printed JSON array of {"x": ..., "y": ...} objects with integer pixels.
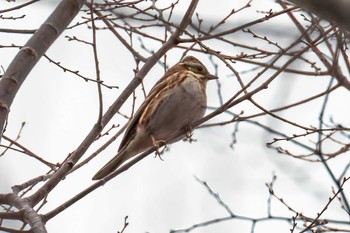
[
  {"x": 189, "y": 134},
  {"x": 157, "y": 144}
]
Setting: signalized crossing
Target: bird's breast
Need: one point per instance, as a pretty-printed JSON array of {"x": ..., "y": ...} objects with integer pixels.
[
  {"x": 194, "y": 86},
  {"x": 174, "y": 108}
]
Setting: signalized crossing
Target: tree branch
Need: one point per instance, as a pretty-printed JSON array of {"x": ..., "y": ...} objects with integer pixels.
[{"x": 32, "y": 51}]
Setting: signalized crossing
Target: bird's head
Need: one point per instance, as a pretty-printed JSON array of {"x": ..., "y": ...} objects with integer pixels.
[{"x": 194, "y": 65}]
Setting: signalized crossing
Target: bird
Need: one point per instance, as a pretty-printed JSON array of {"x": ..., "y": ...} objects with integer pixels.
[{"x": 174, "y": 103}]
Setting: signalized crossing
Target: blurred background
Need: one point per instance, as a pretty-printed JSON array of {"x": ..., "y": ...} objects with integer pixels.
[{"x": 59, "y": 109}]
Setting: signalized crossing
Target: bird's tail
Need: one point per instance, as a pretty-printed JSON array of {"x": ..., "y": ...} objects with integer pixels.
[{"x": 112, "y": 165}]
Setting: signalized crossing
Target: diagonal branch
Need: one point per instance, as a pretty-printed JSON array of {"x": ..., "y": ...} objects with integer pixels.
[
  {"x": 32, "y": 51},
  {"x": 113, "y": 109},
  {"x": 335, "y": 11}
]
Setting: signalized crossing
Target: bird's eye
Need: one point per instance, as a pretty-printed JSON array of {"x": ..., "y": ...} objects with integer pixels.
[{"x": 199, "y": 69}]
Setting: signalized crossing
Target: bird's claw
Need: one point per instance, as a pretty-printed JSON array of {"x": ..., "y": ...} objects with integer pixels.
[
  {"x": 189, "y": 134},
  {"x": 156, "y": 144}
]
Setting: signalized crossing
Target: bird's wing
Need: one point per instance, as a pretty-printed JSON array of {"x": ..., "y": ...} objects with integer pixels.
[{"x": 132, "y": 125}]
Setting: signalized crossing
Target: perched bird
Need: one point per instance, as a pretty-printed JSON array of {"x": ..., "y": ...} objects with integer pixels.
[{"x": 175, "y": 102}]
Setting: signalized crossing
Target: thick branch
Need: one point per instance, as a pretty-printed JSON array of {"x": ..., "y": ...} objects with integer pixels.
[
  {"x": 29, "y": 215},
  {"x": 78, "y": 153},
  {"x": 32, "y": 51},
  {"x": 335, "y": 11}
]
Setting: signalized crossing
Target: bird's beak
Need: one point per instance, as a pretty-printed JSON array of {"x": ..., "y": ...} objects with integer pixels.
[{"x": 211, "y": 77}]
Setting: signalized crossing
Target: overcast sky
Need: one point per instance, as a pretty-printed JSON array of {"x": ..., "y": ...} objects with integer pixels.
[{"x": 59, "y": 110}]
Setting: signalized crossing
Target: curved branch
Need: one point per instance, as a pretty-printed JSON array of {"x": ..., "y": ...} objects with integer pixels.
[
  {"x": 33, "y": 50},
  {"x": 28, "y": 214},
  {"x": 113, "y": 109},
  {"x": 335, "y": 11}
]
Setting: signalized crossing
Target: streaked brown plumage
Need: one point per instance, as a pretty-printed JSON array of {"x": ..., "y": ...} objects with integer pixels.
[{"x": 176, "y": 101}]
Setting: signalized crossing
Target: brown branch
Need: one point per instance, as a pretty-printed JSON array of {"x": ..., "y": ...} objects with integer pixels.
[
  {"x": 234, "y": 100},
  {"x": 32, "y": 51},
  {"x": 230, "y": 31},
  {"x": 30, "y": 153},
  {"x": 29, "y": 215},
  {"x": 99, "y": 150},
  {"x": 10, "y": 230},
  {"x": 291, "y": 105},
  {"x": 336, "y": 11},
  {"x": 19, "y": 6},
  {"x": 78, "y": 153},
  {"x": 330, "y": 200},
  {"x": 97, "y": 67},
  {"x": 17, "y": 188},
  {"x": 76, "y": 72},
  {"x": 20, "y": 31},
  {"x": 126, "y": 224},
  {"x": 121, "y": 39},
  {"x": 334, "y": 69}
]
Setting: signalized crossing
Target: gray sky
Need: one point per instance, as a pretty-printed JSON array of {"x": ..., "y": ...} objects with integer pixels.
[{"x": 59, "y": 110}]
